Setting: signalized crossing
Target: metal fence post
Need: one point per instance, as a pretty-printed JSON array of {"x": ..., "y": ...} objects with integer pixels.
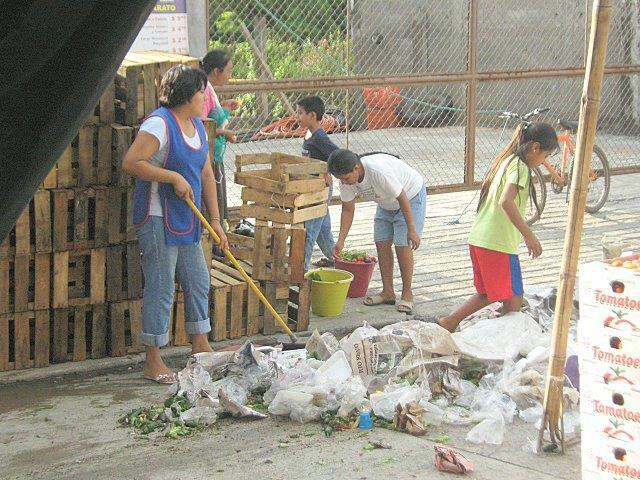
[{"x": 470, "y": 131}]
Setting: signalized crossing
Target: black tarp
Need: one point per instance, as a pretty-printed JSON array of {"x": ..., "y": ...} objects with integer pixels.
[{"x": 56, "y": 59}]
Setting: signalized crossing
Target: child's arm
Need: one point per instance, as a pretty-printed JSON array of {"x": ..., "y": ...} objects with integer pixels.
[
  {"x": 508, "y": 204},
  {"x": 210, "y": 198},
  {"x": 346, "y": 219},
  {"x": 413, "y": 239}
]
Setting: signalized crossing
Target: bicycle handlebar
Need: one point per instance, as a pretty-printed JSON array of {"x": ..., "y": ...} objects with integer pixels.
[{"x": 526, "y": 116}]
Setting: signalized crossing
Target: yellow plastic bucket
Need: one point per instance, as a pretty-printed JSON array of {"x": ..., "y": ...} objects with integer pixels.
[{"x": 329, "y": 288}]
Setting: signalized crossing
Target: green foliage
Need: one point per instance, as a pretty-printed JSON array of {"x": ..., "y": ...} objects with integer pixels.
[{"x": 304, "y": 39}]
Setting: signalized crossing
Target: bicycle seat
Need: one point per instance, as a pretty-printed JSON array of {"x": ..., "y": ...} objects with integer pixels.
[{"x": 569, "y": 125}]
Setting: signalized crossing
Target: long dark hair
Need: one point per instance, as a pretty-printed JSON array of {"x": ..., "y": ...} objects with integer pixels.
[
  {"x": 523, "y": 137},
  {"x": 215, "y": 59}
]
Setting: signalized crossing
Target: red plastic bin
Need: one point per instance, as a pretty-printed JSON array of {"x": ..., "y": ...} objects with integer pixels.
[{"x": 362, "y": 273}]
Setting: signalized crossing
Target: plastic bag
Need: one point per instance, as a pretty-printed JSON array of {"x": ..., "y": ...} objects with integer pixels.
[
  {"x": 202, "y": 415},
  {"x": 384, "y": 403},
  {"x": 467, "y": 393},
  {"x": 432, "y": 415},
  {"x": 285, "y": 400},
  {"x": 301, "y": 374},
  {"x": 232, "y": 386},
  {"x": 457, "y": 416},
  {"x": 532, "y": 414},
  {"x": 352, "y": 394},
  {"x": 487, "y": 403},
  {"x": 490, "y": 430},
  {"x": 191, "y": 380}
]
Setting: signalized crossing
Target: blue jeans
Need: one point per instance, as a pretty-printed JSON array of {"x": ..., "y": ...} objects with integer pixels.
[
  {"x": 160, "y": 264},
  {"x": 319, "y": 231}
]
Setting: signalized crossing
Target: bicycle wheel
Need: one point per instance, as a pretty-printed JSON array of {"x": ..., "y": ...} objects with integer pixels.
[
  {"x": 531, "y": 214},
  {"x": 599, "y": 180}
]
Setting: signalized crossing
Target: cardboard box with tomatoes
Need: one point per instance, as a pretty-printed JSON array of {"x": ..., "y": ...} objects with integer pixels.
[{"x": 609, "y": 357}]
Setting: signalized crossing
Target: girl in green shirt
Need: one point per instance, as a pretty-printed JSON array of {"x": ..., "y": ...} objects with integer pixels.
[{"x": 495, "y": 236}]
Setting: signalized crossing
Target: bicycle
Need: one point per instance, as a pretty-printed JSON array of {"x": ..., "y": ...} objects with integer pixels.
[{"x": 560, "y": 175}]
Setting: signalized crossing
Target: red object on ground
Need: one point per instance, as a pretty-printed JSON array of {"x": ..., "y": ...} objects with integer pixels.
[
  {"x": 381, "y": 106},
  {"x": 449, "y": 460},
  {"x": 288, "y": 127},
  {"x": 362, "y": 273}
]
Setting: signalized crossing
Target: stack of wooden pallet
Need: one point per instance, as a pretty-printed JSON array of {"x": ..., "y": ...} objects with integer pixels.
[
  {"x": 280, "y": 192},
  {"x": 70, "y": 276}
]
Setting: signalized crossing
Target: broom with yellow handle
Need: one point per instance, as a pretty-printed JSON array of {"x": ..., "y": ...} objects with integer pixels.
[{"x": 244, "y": 274}]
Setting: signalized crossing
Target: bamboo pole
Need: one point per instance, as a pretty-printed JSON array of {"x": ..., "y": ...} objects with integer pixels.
[{"x": 589, "y": 106}]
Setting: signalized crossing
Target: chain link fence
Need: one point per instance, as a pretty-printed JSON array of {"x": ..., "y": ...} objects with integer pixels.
[{"x": 423, "y": 79}]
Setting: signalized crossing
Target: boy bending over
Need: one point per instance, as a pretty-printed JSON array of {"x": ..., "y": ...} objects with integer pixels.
[{"x": 401, "y": 195}]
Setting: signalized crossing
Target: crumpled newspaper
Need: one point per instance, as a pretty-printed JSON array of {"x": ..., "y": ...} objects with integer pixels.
[{"x": 449, "y": 460}]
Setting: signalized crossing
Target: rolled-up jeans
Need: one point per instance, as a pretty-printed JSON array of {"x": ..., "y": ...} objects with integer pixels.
[
  {"x": 161, "y": 264},
  {"x": 319, "y": 230}
]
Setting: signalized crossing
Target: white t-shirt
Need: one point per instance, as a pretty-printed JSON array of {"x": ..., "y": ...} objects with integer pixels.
[
  {"x": 156, "y": 127},
  {"x": 385, "y": 177}
]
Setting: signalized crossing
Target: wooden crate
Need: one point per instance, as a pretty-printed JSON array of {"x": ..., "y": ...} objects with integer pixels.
[
  {"x": 280, "y": 173},
  {"x": 87, "y": 160},
  {"x": 78, "y": 333},
  {"x": 120, "y": 215},
  {"x": 104, "y": 112},
  {"x": 138, "y": 82},
  {"x": 79, "y": 278},
  {"x": 24, "y": 340},
  {"x": 122, "y": 137},
  {"x": 276, "y": 252},
  {"x": 25, "y": 282},
  {"x": 80, "y": 218},
  {"x": 124, "y": 273},
  {"x": 125, "y": 325},
  {"x": 32, "y": 231}
]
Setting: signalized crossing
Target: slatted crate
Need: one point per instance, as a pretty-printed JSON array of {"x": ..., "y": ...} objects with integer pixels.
[
  {"x": 290, "y": 190},
  {"x": 124, "y": 327},
  {"x": 87, "y": 160},
  {"x": 122, "y": 137},
  {"x": 104, "y": 112},
  {"x": 32, "y": 231},
  {"x": 120, "y": 215},
  {"x": 80, "y": 218},
  {"x": 24, "y": 340},
  {"x": 78, "y": 333},
  {"x": 138, "y": 82},
  {"x": 124, "y": 273},
  {"x": 25, "y": 282},
  {"x": 276, "y": 252},
  {"x": 79, "y": 278}
]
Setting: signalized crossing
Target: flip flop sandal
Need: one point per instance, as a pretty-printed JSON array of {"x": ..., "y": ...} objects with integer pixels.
[
  {"x": 162, "y": 378},
  {"x": 403, "y": 306},
  {"x": 377, "y": 300}
]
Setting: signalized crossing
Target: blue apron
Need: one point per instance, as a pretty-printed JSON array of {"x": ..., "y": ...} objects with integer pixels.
[{"x": 181, "y": 226}]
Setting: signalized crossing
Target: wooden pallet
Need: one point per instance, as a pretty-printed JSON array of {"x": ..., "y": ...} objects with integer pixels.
[
  {"x": 24, "y": 340},
  {"x": 79, "y": 333},
  {"x": 138, "y": 83},
  {"x": 80, "y": 218},
  {"x": 122, "y": 137},
  {"x": 86, "y": 161},
  {"x": 276, "y": 252},
  {"x": 79, "y": 278},
  {"x": 124, "y": 273},
  {"x": 25, "y": 282},
  {"x": 104, "y": 112},
  {"x": 286, "y": 174},
  {"x": 125, "y": 325},
  {"x": 32, "y": 231}
]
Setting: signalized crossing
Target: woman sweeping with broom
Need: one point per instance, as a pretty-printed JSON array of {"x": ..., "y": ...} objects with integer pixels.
[
  {"x": 499, "y": 225},
  {"x": 170, "y": 160}
]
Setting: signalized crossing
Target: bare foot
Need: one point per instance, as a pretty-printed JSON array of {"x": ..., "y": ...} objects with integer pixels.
[
  {"x": 200, "y": 344},
  {"x": 157, "y": 372}
]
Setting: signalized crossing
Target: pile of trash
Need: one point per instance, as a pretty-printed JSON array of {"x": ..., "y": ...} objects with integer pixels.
[{"x": 411, "y": 374}]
